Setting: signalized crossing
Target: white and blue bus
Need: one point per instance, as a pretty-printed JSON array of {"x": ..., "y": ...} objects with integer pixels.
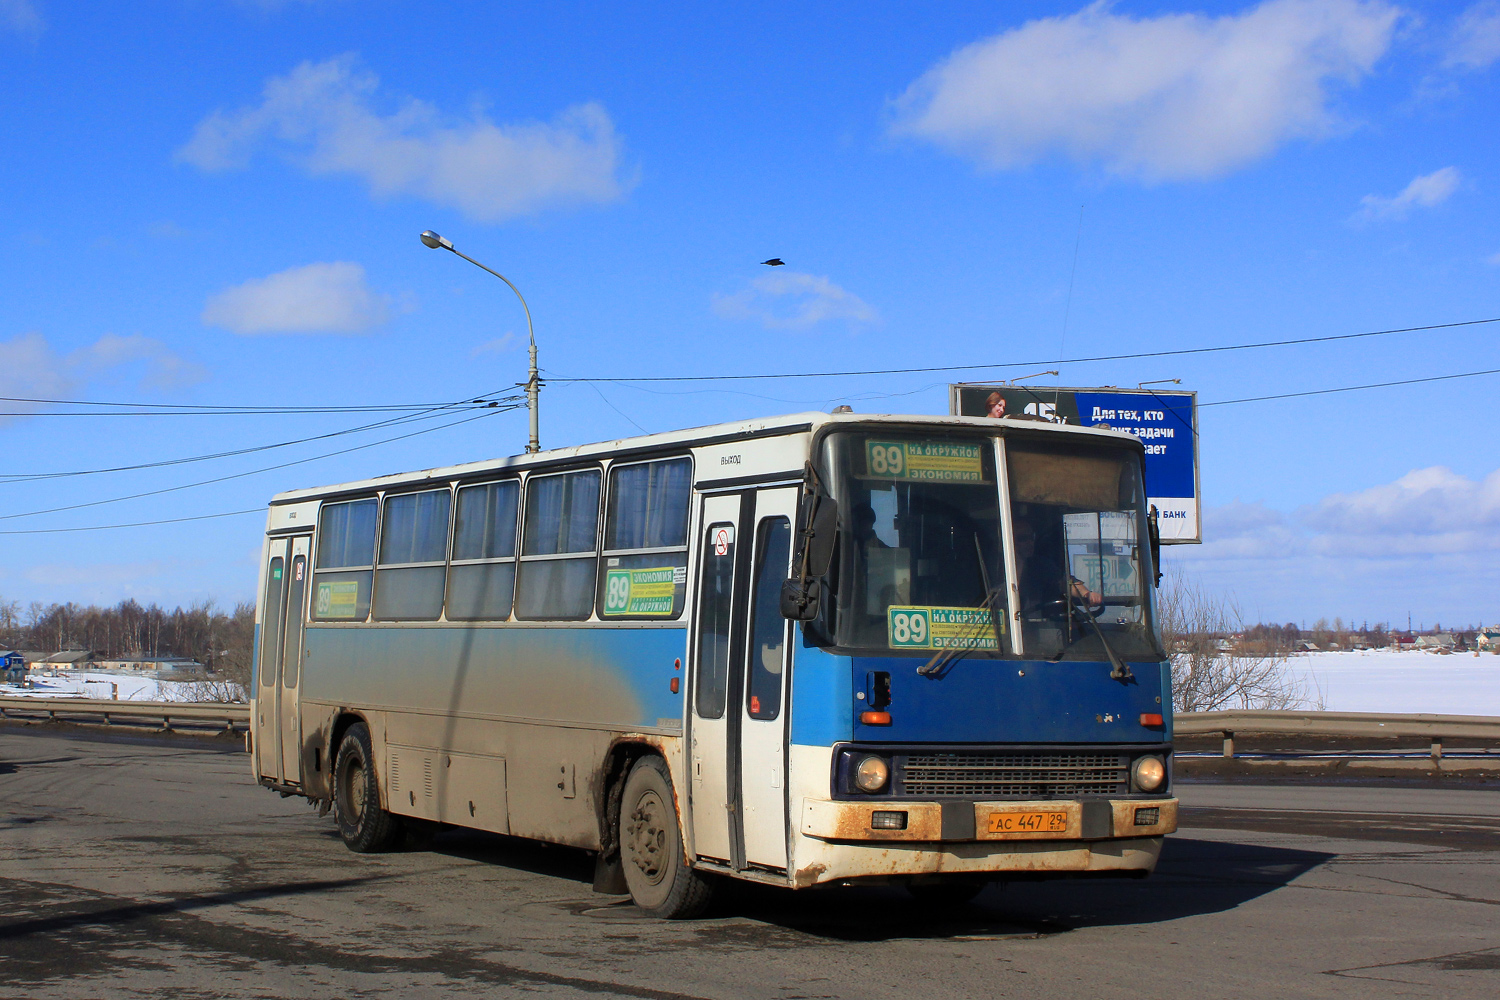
[{"x": 813, "y": 649}]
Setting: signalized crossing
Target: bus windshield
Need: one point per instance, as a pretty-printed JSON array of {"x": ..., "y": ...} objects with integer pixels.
[
  {"x": 921, "y": 563},
  {"x": 920, "y": 541},
  {"x": 1078, "y": 522}
]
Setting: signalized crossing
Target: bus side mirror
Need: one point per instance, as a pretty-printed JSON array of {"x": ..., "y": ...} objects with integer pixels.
[
  {"x": 1153, "y": 530},
  {"x": 800, "y": 595},
  {"x": 800, "y": 601},
  {"x": 819, "y": 536}
]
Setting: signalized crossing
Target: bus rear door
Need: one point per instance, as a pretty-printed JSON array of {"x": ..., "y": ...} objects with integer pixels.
[{"x": 277, "y": 732}]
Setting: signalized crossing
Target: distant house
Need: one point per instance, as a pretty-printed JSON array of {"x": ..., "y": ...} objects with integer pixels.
[
  {"x": 12, "y": 666},
  {"x": 1403, "y": 641},
  {"x": 145, "y": 664},
  {"x": 69, "y": 659},
  {"x": 1305, "y": 646},
  {"x": 1488, "y": 639},
  {"x": 1437, "y": 640}
]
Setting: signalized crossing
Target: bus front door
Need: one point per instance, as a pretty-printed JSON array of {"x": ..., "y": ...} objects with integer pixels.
[
  {"x": 712, "y": 743},
  {"x": 765, "y": 688},
  {"x": 740, "y": 657}
]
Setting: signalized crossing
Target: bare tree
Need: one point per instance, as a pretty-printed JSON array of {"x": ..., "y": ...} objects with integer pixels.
[{"x": 1211, "y": 669}]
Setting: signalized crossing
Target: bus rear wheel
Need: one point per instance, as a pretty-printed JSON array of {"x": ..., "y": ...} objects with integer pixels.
[
  {"x": 364, "y": 825},
  {"x": 656, "y": 869}
]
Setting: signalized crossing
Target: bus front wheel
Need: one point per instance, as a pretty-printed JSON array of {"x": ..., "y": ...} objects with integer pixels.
[
  {"x": 365, "y": 826},
  {"x": 656, "y": 869}
]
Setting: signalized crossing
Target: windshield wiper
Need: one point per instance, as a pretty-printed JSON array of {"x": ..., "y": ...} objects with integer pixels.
[
  {"x": 935, "y": 666},
  {"x": 1119, "y": 669}
]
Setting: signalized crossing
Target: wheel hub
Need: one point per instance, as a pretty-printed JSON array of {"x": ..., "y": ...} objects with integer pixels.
[
  {"x": 354, "y": 797},
  {"x": 646, "y": 838}
]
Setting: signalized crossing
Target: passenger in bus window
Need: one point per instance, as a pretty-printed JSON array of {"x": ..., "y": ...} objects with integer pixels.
[{"x": 1039, "y": 563}]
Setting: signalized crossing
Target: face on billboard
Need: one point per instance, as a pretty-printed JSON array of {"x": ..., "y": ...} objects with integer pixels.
[{"x": 1163, "y": 421}]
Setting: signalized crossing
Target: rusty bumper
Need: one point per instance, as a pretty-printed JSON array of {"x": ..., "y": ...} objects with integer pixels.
[{"x": 950, "y": 822}]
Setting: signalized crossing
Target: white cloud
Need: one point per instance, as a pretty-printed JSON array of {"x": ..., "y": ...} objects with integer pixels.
[
  {"x": 21, "y": 17},
  {"x": 790, "y": 300},
  {"x": 1429, "y": 543},
  {"x": 323, "y": 116},
  {"x": 1170, "y": 97},
  {"x": 34, "y": 370},
  {"x": 1475, "y": 43},
  {"x": 315, "y": 298},
  {"x": 497, "y": 346},
  {"x": 1493, "y": 259},
  {"x": 1425, "y": 191}
]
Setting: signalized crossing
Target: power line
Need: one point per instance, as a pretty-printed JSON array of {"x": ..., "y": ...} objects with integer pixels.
[
  {"x": 244, "y": 412},
  {"x": 134, "y": 524},
  {"x": 1352, "y": 388},
  {"x": 1049, "y": 361},
  {"x": 254, "y": 472},
  {"x": 204, "y": 517},
  {"x": 236, "y": 408},
  {"x": 391, "y": 422}
]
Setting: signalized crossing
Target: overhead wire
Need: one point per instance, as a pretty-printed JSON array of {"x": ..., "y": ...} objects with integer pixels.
[
  {"x": 435, "y": 411},
  {"x": 254, "y": 472},
  {"x": 233, "y": 513},
  {"x": 1047, "y": 361}
]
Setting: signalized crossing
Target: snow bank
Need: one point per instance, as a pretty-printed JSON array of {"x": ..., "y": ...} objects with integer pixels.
[
  {"x": 1403, "y": 682},
  {"x": 92, "y": 684}
]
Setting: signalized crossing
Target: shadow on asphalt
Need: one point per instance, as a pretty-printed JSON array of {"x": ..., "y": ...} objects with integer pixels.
[{"x": 1194, "y": 877}]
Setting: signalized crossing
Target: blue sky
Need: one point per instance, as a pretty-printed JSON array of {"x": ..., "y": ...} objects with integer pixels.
[{"x": 218, "y": 203}]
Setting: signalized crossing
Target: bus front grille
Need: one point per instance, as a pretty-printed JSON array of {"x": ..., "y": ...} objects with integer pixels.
[{"x": 1016, "y": 775}]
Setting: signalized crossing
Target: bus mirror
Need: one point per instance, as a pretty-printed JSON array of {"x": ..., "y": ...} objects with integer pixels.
[
  {"x": 822, "y": 531},
  {"x": 799, "y": 600},
  {"x": 1153, "y": 530}
]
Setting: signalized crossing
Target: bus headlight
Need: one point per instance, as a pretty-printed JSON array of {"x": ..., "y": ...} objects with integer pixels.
[
  {"x": 1148, "y": 774},
  {"x": 871, "y": 774}
]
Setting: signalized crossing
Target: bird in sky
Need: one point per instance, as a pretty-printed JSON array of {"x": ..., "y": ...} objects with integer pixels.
[{"x": 774, "y": 262}]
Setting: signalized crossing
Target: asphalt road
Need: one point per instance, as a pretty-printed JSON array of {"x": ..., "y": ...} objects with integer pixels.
[{"x": 148, "y": 869}]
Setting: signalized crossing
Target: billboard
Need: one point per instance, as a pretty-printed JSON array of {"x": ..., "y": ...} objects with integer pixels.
[{"x": 1165, "y": 422}]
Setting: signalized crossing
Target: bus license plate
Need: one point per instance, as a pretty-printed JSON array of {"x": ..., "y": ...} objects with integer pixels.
[{"x": 1029, "y": 822}]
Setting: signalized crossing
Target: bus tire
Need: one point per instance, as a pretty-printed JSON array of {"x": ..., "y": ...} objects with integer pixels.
[
  {"x": 656, "y": 869},
  {"x": 364, "y": 825}
]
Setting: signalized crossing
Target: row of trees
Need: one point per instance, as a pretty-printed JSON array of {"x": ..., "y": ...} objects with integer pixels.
[
  {"x": 221, "y": 640},
  {"x": 1209, "y": 675}
]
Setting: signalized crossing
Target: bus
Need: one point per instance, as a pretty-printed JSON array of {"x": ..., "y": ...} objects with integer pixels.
[{"x": 825, "y": 648}]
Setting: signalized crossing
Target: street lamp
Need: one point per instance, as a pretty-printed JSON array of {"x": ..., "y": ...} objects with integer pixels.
[{"x": 533, "y": 381}]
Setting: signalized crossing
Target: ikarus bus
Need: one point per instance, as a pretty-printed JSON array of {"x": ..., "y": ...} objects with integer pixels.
[{"x": 821, "y": 648}]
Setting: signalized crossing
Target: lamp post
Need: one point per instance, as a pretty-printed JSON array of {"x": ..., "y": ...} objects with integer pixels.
[{"x": 533, "y": 380}]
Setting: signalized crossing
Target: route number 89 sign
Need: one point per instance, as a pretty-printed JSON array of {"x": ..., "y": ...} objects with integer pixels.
[{"x": 925, "y": 461}]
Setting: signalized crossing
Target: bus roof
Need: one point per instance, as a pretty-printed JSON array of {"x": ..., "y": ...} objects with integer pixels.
[{"x": 792, "y": 423}]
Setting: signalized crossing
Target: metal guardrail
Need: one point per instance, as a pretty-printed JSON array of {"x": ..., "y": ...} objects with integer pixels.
[
  {"x": 199, "y": 715},
  {"x": 1435, "y": 728}
]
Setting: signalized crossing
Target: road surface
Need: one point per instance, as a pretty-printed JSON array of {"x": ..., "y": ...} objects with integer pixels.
[{"x": 132, "y": 867}]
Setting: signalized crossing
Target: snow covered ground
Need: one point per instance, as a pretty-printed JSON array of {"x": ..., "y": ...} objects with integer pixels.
[
  {"x": 122, "y": 687},
  {"x": 1404, "y": 682}
]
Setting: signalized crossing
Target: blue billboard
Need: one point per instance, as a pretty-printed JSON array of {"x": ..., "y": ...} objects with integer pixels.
[{"x": 1165, "y": 422}]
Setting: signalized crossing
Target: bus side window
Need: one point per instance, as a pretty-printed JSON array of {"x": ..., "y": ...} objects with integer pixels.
[
  {"x": 645, "y": 540},
  {"x": 559, "y": 547},
  {"x": 413, "y": 554},
  {"x": 346, "y": 561},
  {"x": 767, "y": 627},
  {"x": 712, "y": 682},
  {"x": 482, "y": 580}
]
